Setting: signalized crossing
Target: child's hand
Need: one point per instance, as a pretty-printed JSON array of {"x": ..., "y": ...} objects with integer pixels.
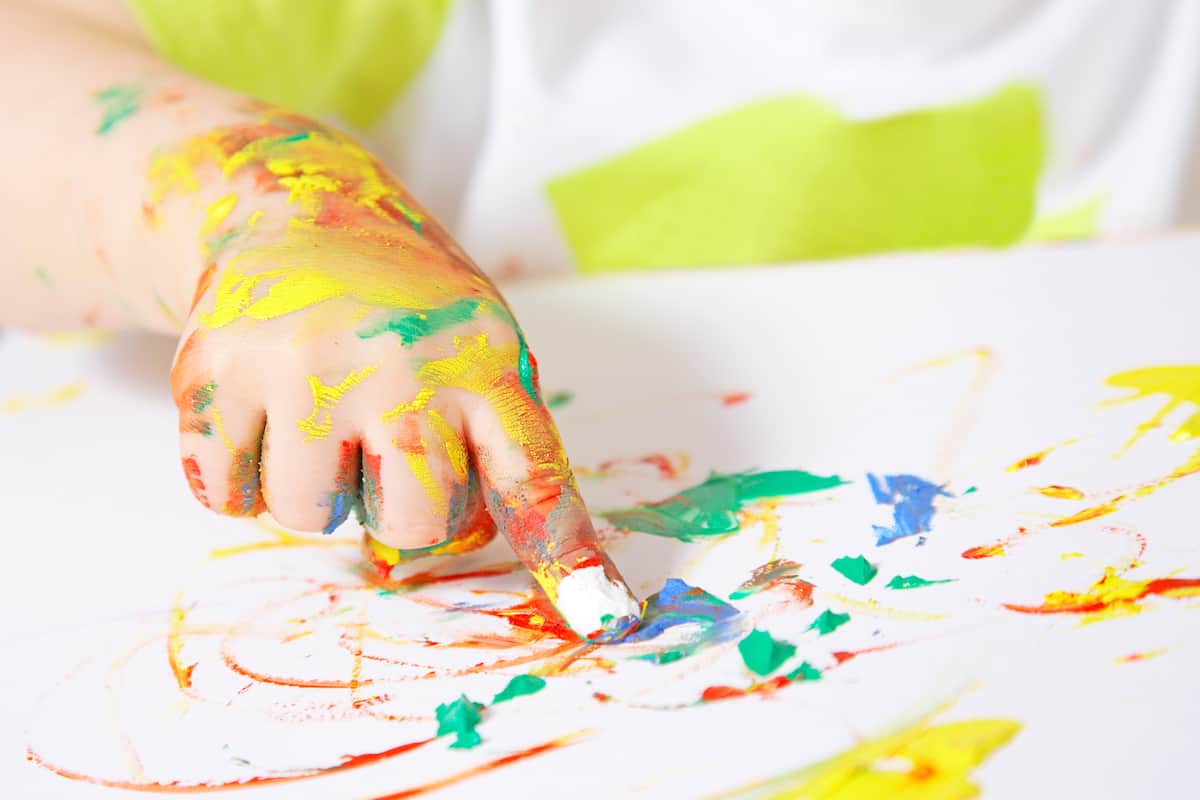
[{"x": 343, "y": 353}]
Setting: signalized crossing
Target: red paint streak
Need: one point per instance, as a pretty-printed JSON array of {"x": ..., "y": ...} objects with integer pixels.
[
  {"x": 661, "y": 462},
  {"x": 734, "y": 398},
  {"x": 984, "y": 551},
  {"x": 535, "y": 615},
  {"x": 842, "y": 656},
  {"x": 430, "y": 577},
  {"x": 349, "y": 762},
  {"x": 1088, "y": 603},
  {"x": 601, "y": 697},
  {"x": 714, "y": 693},
  {"x": 191, "y": 469},
  {"x": 202, "y": 284},
  {"x": 487, "y": 766}
]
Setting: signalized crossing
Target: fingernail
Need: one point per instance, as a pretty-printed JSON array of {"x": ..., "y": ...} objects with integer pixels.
[{"x": 596, "y": 607}]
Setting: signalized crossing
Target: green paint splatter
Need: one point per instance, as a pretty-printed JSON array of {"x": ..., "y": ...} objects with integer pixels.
[
  {"x": 559, "y": 399},
  {"x": 762, "y": 653},
  {"x": 43, "y": 276},
  {"x": 460, "y": 718},
  {"x": 971, "y": 490},
  {"x": 804, "y": 672},
  {"x": 527, "y": 369},
  {"x": 412, "y": 326},
  {"x": 518, "y": 686},
  {"x": 913, "y": 582},
  {"x": 710, "y": 509},
  {"x": 119, "y": 102},
  {"x": 857, "y": 569},
  {"x": 829, "y": 622}
]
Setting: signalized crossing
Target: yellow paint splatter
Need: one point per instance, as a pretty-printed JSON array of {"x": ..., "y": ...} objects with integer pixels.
[
  {"x": 1061, "y": 492},
  {"x": 1071, "y": 555},
  {"x": 451, "y": 441},
  {"x": 416, "y": 404},
  {"x": 923, "y": 761},
  {"x": 1180, "y": 384},
  {"x": 319, "y": 423},
  {"x": 24, "y": 403},
  {"x": 217, "y": 211}
]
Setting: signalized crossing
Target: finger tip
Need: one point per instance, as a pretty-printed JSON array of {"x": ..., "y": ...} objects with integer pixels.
[{"x": 597, "y": 607}]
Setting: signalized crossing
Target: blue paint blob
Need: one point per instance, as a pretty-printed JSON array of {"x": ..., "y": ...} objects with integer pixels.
[
  {"x": 911, "y": 499},
  {"x": 678, "y": 603}
]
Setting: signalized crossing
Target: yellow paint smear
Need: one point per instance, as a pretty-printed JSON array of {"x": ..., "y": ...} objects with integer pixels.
[
  {"x": 452, "y": 442},
  {"x": 416, "y": 404},
  {"x": 319, "y": 424},
  {"x": 25, "y": 403},
  {"x": 1180, "y": 384},
  {"x": 923, "y": 762},
  {"x": 1061, "y": 492},
  {"x": 217, "y": 212}
]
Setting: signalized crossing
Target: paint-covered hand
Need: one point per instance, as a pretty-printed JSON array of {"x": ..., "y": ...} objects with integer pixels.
[{"x": 343, "y": 353}]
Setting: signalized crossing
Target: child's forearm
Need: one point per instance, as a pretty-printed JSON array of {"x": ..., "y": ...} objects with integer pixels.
[{"x": 87, "y": 242}]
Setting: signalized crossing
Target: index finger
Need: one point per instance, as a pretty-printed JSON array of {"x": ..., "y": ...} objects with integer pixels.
[{"x": 532, "y": 496}]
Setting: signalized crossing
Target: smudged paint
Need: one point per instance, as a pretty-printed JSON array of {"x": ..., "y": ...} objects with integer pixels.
[
  {"x": 519, "y": 686},
  {"x": 985, "y": 551},
  {"x": 487, "y": 766},
  {"x": 913, "y": 582},
  {"x": 911, "y": 499},
  {"x": 768, "y": 575},
  {"x": 668, "y": 466},
  {"x": 1038, "y": 457},
  {"x": 413, "y": 326},
  {"x": 1061, "y": 492},
  {"x": 762, "y": 653},
  {"x": 734, "y": 398},
  {"x": 828, "y": 622},
  {"x": 1132, "y": 657},
  {"x": 1111, "y": 596},
  {"x": 345, "y": 491},
  {"x": 557, "y": 400},
  {"x": 460, "y": 718},
  {"x": 371, "y": 498},
  {"x": 677, "y": 603},
  {"x": 319, "y": 424},
  {"x": 922, "y": 761},
  {"x": 191, "y": 470},
  {"x": 117, "y": 102},
  {"x": 856, "y": 569},
  {"x": 24, "y": 403},
  {"x": 711, "y": 508},
  {"x": 43, "y": 276},
  {"x": 245, "y": 487}
]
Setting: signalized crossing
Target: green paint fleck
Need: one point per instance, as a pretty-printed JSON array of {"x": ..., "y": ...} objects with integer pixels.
[
  {"x": 119, "y": 102},
  {"x": 804, "y": 672},
  {"x": 559, "y": 399},
  {"x": 667, "y": 656},
  {"x": 518, "y": 686},
  {"x": 856, "y": 569},
  {"x": 762, "y": 653},
  {"x": 217, "y": 244},
  {"x": 527, "y": 369},
  {"x": 460, "y": 718},
  {"x": 43, "y": 276},
  {"x": 412, "y": 326},
  {"x": 829, "y": 622},
  {"x": 913, "y": 582},
  {"x": 202, "y": 397},
  {"x": 710, "y": 509},
  {"x": 972, "y": 490}
]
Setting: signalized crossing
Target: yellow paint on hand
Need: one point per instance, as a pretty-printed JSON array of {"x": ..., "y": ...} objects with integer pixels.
[
  {"x": 452, "y": 442},
  {"x": 416, "y": 404},
  {"x": 254, "y": 218},
  {"x": 319, "y": 423},
  {"x": 24, "y": 403},
  {"x": 217, "y": 212},
  {"x": 922, "y": 762},
  {"x": 418, "y": 462}
]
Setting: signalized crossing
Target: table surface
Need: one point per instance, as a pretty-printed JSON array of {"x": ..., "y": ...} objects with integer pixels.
[{"x": 984, "y": 373}]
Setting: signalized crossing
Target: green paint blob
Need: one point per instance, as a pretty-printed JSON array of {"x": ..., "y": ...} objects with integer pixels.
[
  {"x": 527, "y": 371},
  {"x": 518, "y": 686},
  {"x": 856, "y": 569},
  {"x": 710, "y": 509},
  {"x": 829, "y": 622},
  {"x": 971, "y": 490},
  {"x": 762, "y": 653},
  {"x": 460, "y": 718},
  {"x": 559, "y": 399},
  {"x": 412, "y": 326},
  {"x": 118, "y": 102},
  {"x": 913, "y": 582},
  {"x": 804, "y": 672}
]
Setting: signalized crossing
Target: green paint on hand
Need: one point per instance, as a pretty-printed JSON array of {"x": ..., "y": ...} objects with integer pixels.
[
  {"x": 118, "y": 102},
  {"x": 762, "y": 653},
  {"x": 804, "y": 672},
  {"x": 527, "y": 370},
  {"x": 559, "y": 399},
  {"x": 913, "y": 582},
  {"x": 518, "y": 686},
  {"x": 202, "y": 397},
  {"x": 710, "y": 509},
  {"x": 829, "y": 622},
  {"x": 793, "y": 178},
  {"x": 857, "y": 569},
  {"x": 412, "y": 326},
  {"x": 460, "y": 718},
  {"x": 42, "y": 275}
]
